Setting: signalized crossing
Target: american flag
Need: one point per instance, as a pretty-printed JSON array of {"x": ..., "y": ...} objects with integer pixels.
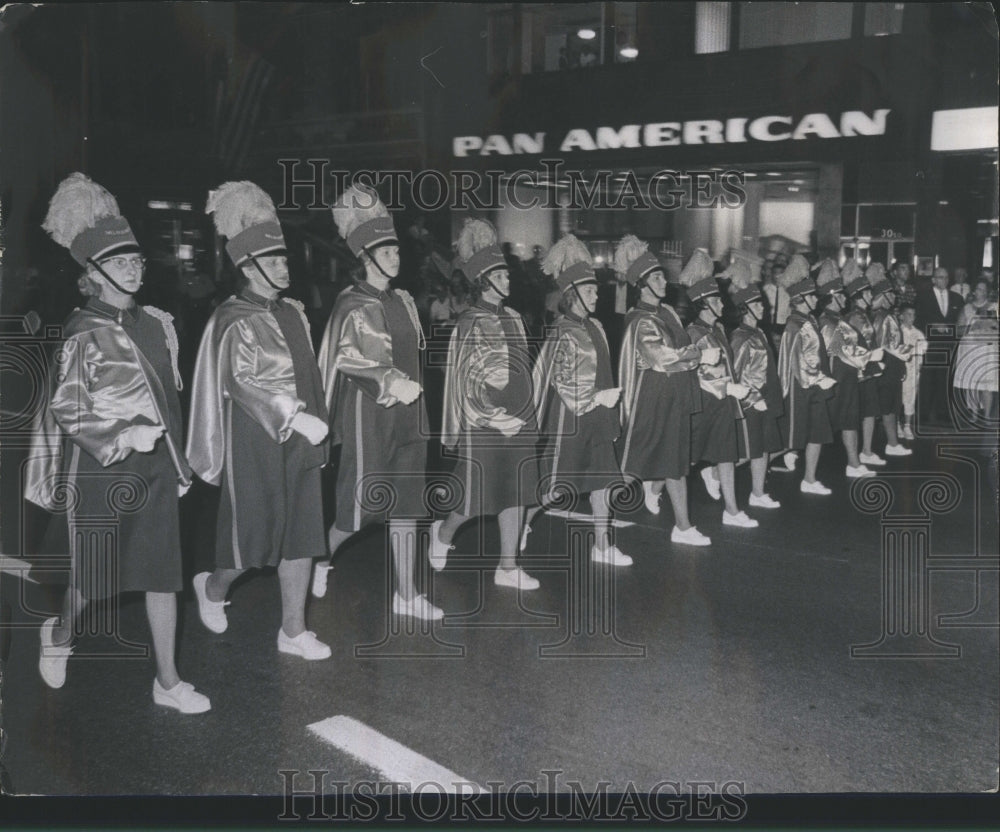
[{"x": 234, "y": 131}]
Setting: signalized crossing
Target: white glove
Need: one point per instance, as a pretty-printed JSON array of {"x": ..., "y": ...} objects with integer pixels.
[
  {"x": 737, "y": 390},
  {"x": 826, "y": 383},
  {"x": 310, "y": 427},
  {"x": 760, "y": 405},
  {"x": 876, "y": 355},
  {"x": 405, "y": 390},
  {"x": 512, "y": 426},
  {"x": 609, "y": 397},
  {"x": 183, "y": 488},
  {"x": 142, "y": 438},
  {"x": 710, "y": 356}
]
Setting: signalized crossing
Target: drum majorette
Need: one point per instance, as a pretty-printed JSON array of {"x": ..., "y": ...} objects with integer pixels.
[
  {"x": 658, "y": 372},
  {"x": 889, "y": 338},
  {"x": 489, "y": 410},
  {"x": 714, "y": 428},
  {"x": 576, "y": 398},
  {"x": 370, "y": 360},
  {"x": 258, "y": 423},
  {"x": 113, "y": 419}
]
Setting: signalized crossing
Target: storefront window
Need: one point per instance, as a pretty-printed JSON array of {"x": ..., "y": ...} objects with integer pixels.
[
  {"x": 883, "y": 19},
  {"x": 783, "y": 24},
  {"x": 878, "y": 233},
  {"x": 562, "y": 36}
]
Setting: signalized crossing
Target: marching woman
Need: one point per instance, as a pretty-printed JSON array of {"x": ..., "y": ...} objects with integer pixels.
[
  {"x": 111, "y": 434},
  {"x": 258, "y": 423},
  {"x": 489, "y": 409},
  {"x": 889, "y": 338},
  {"x": 575, "y": 398},
  {"x": 856, "y": 288},
  {"x": 756, "y": 368},
  {"x": 713, "y": 433},
  {"x": 370, "y": 362},
  {"x": 803, "y": 370},
  {"x": 849, "y": 361},
  {"x": 657, "y": 368}
]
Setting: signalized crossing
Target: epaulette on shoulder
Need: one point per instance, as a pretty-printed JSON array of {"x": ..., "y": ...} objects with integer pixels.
[{"x": 167, "y": 320}]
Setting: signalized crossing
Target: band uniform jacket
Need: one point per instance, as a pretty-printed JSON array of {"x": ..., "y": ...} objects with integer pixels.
[
  {"x": 356, "y": 344},
  {"x": 714, "y": 378},
  {"x": 647, "y": 346},
  {"x": 754, "y": 366},
  {"x": 802, "y": 359},
  {"x": 478, "y": 368},
  {"x": 103, "y": 385},
  {"x": 243, "y": 358},
  {"x": 843, "y": 342}
]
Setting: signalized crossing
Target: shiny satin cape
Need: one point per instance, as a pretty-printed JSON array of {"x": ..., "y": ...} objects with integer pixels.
[
  {"x": 750, "y": 359},
  {"x": 243, "y": 357},
  {"x": 101, "y": 386},
  {"x": 567, "y": 362},
  {"x": 356, "y": 344},
  {"x": 478, "y": 361},
  {"x": 647, "y": 345},
  {"x": 800, "y": 357},
  {"x": 843, "y": 341}
]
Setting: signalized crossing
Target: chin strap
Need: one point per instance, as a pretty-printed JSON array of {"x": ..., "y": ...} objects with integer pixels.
[
  {"x": 493, "y": 286},
  {"x": 375, "y": 262},
  {"x": 111, "y": 280},
  {"x": 583, "y": 303},
  {"x": 263, "y": 274}
]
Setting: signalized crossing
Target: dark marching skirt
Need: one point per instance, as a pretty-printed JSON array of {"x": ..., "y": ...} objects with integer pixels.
[
  {"x": 656, "y": 444},
  {"x": 123, "y": 535},
  {"x": 271, "y": 506},
  {"x": 868, "y": 391},
  {"x": 806, "y": 419},
  {"x": 845, "y": 406},
  {"x": 890, "y": 386},
  {"x": 713, "y": 431},
  {"x": 497, "y": 472},
  {"x": 758, "y": 434},
  {"x": 581, "y": 459}
]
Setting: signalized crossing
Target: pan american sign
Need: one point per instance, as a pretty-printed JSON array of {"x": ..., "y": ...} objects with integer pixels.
[{"x": 667, "y": 133}]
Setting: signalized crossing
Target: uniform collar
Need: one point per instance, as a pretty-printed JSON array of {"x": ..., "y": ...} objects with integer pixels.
[
  {"x": 371, "y": 291},
  {"x": 129, "y": 315},
  {"x": 259, "y": 300},
  {"x": 496, "y": 309},
  {"x": 574, "y": 317},
  {"x": 648, "y": 307}
]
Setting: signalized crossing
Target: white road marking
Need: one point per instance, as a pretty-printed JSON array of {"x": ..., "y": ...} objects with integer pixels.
[
  {"x": 394, "y": 760},
  {"x": 587, "y": 518},
  {"x": 16, "y": 566}
]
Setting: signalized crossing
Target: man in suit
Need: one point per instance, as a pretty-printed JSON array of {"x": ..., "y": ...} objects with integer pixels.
[{"x": 937, "y": 310}]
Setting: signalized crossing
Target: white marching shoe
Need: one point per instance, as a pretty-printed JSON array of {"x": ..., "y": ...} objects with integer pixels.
[
  {"x": 417, "y": 607},
  {"x": 651, "y": 500},
  {"x": 814, "y": 488},
  {"x": 211, "y": 613},
  {"x": 871, "y": 459},
  {"x": 321, "y": 572},
  {"x": 765, "y": 500},
  {"x": 690, "y": 537},
  {"x": 897, "y": 450},
  {"x": 515, "y": 578},
  {"x": 612, "y": 556},
  {"x": 305, "y": 644},
  {"x": 739, "y": 519},
  {"x": 52, "y": 658},
  {"x": 437, "y": 551},
  {"x": 712, "y": 485},
  {"x": 854, "y": 473},
  {"x": 181, "y": 697}
]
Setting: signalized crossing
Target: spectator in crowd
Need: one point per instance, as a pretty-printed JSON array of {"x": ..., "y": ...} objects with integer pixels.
[
  {"x": 937, "y": 310},
  {"x": 961, "y": 285},
  {"x": 976, "y": 361},
  {"x": 915, "y": 339}
]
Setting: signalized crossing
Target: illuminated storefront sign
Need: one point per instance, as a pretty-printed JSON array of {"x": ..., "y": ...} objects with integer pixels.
[{"x": 668, "y": 133}]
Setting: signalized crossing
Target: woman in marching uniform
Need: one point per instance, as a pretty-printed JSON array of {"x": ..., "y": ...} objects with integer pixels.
[
  {"x": 858, "y": 318},
  {"x": 110, "y": 435},
  {"x": 370, "y": 360},
  {"x": 889, "y": 338},
  {"x": 713, "y": 433},
  {"x": 803, "y": 368},
  {"x": 575, "y": 398},
  {"x": 755, "y": 367},
  {"x": 657, "y": 368},
  {"x": 848, "y": 363},
  {"x": 489, "y": 410}
]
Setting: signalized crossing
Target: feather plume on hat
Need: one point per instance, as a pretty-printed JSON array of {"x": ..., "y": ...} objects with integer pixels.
[
  {"x": 744, "y": 282},
  {"x": 828, "y": 278},
  {"x": 877, "y": 280},
  {"x": 237, "y": 206},
  {"x": 795, "y": 272},
  {"x": 566, "y": 252},
  {"x": 698, "y": 267},
  {"x": 77, "y": 205},
  {"x": 628, "y": 250},
  {"x": 853, "y": 277},
  {"x": 356, "y": 206},
  {"x": 476, "y": 235}
]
